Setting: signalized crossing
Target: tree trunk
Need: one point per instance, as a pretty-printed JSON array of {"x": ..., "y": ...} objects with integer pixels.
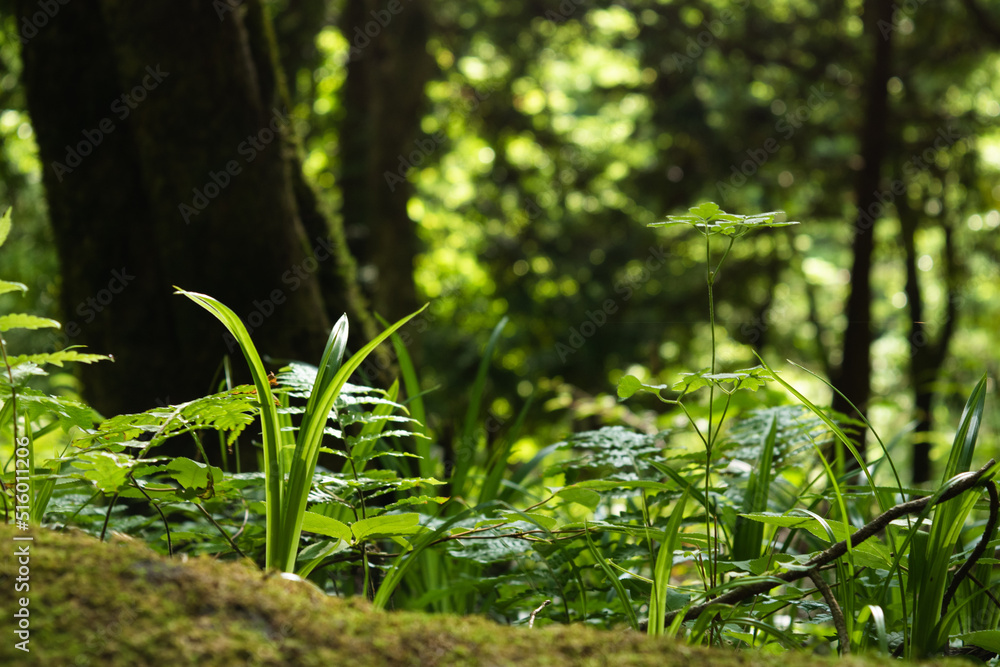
[
  {"x": 854, "y": 377},
  {"x": 380, "y": 139},
  {"x": 169, "y": 159},
  {"x": 926, "y": 355}
]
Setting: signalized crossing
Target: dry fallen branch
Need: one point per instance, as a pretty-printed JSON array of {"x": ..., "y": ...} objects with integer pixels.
[{"x": 837, "y": 550}]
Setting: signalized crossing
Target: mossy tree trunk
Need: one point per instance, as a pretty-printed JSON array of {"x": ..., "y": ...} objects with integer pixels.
[{"x": 169, "y": 159}]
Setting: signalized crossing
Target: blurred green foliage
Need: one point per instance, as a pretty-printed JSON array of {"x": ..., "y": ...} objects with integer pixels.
[{"x": 556, "y": 133}]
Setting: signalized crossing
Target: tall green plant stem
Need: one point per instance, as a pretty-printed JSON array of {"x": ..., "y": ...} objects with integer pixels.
[{"x": 710, "y": 276}]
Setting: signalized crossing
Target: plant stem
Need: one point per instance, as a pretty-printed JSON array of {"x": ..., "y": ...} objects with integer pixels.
[{"x": 710, "y": 440}]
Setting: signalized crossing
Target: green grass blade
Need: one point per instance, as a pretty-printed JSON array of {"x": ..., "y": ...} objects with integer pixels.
[
  {"x": 310, "y": 438},
  {"x": 885, "y": 448},
  {"x": 929, "y": 566},
  {"x": 613, "y": 578},
  {"x": 415, "y": 404},
  {"x": 834, "y": 428},
  {"x": 522, "y": 471},
  {"x": 333, "y": 354},
  {"x": 962, "y": 449},
  {"x": 270, "y": 429},
  {"x": 498, "y": 466},
  {"x": 748, "y": 535},
  {"x": 661, "y": 571},
  {"x": 465, "y": 452},
  {"x": 404, "y": 561}
]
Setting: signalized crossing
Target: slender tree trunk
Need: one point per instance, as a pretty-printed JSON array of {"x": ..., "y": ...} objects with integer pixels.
[
  {"x": 380, "y": 139},
  {"x": 169, "y": 159},
  {"x": 854, "y": 376},
  {"x": 926, "y": 355}
]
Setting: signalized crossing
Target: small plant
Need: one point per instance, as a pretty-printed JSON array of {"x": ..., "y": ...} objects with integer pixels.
[
  {"x": 712, "y": 222},
  {"x": 290, "y": 456},
  {"x": 28, "y": 483},
  {"x": 927, "y": 605}
]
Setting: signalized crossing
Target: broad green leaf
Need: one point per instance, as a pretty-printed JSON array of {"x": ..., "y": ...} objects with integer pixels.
[
  {"x": 751, "y": 379},
  {"x": 628, "y": 385},
  {"x": 987, "y": 639},
  {"x": 416, "y": 500},
  {"x": 387, "y": 525},
  {"x": 105, "y": 470},
  {"x": 193, "y": 475},
  {"x": 709, "y": 219},
  {"x": 586, "y": 497},
  {"x": 324, "y": 525},
  {"x": 314, "y": 554}
]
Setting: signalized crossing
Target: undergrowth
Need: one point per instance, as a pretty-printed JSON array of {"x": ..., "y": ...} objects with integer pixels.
[{"x": 734, "y": 531}]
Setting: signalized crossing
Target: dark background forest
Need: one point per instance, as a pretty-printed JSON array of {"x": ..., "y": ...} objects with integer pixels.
[{"x": 302, "y": 158}]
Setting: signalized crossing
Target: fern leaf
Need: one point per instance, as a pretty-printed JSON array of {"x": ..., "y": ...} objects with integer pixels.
[{"x": 22, "y": 321}]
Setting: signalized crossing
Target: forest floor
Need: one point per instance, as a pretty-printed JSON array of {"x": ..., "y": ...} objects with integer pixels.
[{"x": 118, "y": 603}]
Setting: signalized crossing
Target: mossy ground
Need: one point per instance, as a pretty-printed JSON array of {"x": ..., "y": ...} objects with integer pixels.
[{"x": 121, "y": 604}]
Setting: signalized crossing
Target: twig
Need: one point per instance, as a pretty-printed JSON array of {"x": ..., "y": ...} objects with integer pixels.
[
  {"x": 163, "y": 517},
  {"x": 835, "y": 611},
  {"x": 979, "y": 550},
  {"x": 837, "y": 550},
  {"x": 229, "y": 539},
  {"x": 107, "y": 517},
  {"x": 531, "y": 621}
]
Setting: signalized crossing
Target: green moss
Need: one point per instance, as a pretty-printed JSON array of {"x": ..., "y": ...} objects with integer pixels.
[{"x": 120, "y": 604}]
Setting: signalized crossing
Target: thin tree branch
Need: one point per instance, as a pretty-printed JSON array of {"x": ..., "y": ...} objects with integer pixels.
[
  {"x": 873, "y": 527},
  {"x": 835, "y": 611},
  {"x": 978, "y": 552}
]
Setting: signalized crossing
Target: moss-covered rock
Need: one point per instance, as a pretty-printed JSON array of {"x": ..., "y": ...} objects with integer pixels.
[{"x": 121, "y": 604}]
